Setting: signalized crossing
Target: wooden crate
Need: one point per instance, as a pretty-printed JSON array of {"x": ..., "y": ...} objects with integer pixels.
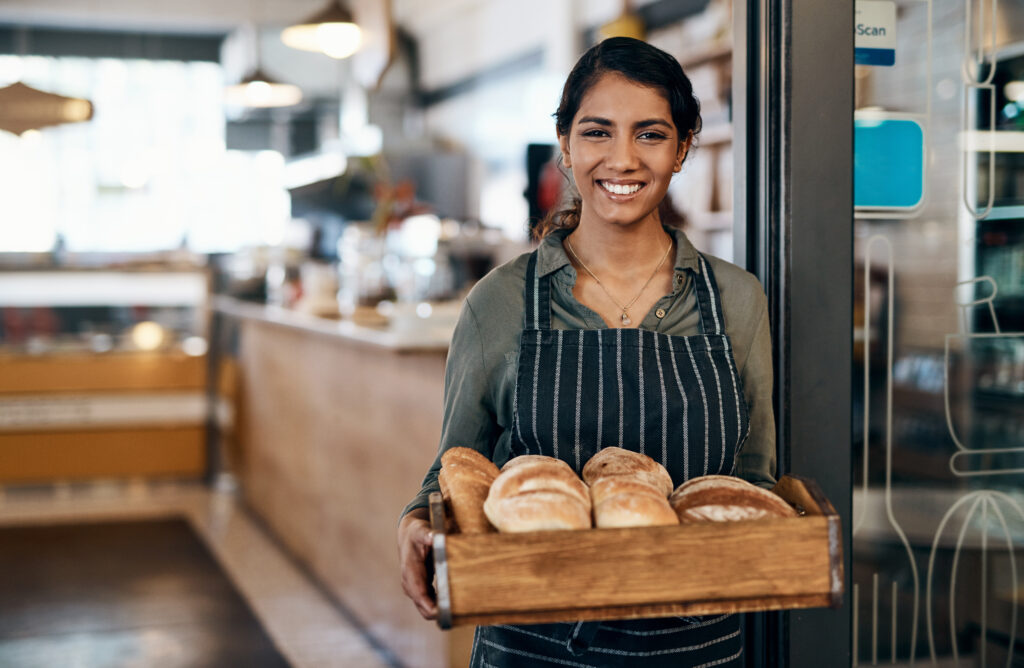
[{"x": 593, "y": 574}]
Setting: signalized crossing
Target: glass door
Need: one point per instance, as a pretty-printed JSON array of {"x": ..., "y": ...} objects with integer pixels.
[{"x": 938, "y": 340}]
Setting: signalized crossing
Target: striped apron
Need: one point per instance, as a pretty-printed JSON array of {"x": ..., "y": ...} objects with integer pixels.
[{"x": 677, "y": 399}]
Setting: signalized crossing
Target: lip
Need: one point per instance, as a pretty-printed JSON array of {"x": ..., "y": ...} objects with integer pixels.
[{"x": 620, "y": 182}]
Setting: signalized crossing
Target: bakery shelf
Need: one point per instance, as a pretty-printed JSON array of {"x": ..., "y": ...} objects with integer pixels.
[{"x": 594, "y": 574}]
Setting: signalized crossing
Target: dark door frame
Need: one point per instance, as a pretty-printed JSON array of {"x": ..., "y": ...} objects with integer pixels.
[{"x": 793, "y": 204}]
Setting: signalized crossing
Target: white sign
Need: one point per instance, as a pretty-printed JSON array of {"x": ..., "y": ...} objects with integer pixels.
[{"x": 874, "y": 36}]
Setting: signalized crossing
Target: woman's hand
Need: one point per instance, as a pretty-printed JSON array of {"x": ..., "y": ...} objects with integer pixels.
[{"x": 414, "y": 544}]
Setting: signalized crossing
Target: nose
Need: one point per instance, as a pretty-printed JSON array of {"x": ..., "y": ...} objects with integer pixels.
[{"x": 622, "y": 156}]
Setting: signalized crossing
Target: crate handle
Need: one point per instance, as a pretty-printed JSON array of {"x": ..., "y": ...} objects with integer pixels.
[{"x": 437, "y": 524}]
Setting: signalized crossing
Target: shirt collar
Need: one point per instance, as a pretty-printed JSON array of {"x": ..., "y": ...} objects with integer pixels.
[{"x": 551, "y": 255}]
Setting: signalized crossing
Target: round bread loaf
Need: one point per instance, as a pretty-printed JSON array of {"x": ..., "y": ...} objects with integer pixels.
[
  {"x": 633, "y": 510},
  {"x": 542, "y": 510},
  {"x": 694, "y": 485},
  {"x": 724, "y": 501},
  {"x": 537, "y": 475},
  {"x": 609, "y": 486},
  {"x": 523, "y": 459},
  {"x": 618, "y": 461}
]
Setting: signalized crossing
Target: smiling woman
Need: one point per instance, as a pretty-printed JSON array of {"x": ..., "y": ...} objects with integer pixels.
[{"x": 596, "y": 339}]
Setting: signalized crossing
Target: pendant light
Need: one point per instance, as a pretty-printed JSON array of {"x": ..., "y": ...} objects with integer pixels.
[
  {"x": 259, "y": 89},
  {"x": 331, "y": 31},
  {"x": 24, "y": 108}
]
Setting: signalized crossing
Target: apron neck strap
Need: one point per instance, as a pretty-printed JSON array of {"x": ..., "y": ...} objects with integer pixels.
[{"x": 708, "y": 299}]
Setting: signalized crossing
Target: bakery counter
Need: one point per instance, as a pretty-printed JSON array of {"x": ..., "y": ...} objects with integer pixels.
[{"x": 337, "y": 424}]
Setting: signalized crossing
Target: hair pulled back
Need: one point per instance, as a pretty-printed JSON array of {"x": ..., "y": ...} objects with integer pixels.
[{"x": 642, "y": 64}]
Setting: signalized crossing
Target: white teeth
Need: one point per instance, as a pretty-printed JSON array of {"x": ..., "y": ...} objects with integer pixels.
[{"x": 620, "y": 190}]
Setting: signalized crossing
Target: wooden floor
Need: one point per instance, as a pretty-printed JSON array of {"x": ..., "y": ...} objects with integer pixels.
[
  {"x": 122, "y": 593},
  {"x": 159, "y": 573}
]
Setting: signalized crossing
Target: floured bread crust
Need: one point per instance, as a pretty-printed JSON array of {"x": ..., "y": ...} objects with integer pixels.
[
  {"x": 618, "y": 461},
  {"x": 726, "y": 499},
  {"x": 538, "y": 493},
  {"x": 546, "y": 473},
  {"x": 540, "y": 510},
  {"x": 633, "y": 510}
]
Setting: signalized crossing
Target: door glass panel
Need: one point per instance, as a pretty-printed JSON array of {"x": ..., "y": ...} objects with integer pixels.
[{"x": 938, "y": 525}]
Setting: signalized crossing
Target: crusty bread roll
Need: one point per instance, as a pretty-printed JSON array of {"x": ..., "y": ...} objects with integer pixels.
[
  {"x": 609, "y": 486},
  {"x": 726, "y": 499},
  {"x": 523, "y": 459},
  {"x": 617, "y": 461},
  {"x": 540, "y": 474},
  {"x": 538, "y": 493},
  {"x": 540, "y": 510},
  {"x": 465, "y": 479},
  {"x": 694, "y": 484},
  {"x": 633, "y": 510}
]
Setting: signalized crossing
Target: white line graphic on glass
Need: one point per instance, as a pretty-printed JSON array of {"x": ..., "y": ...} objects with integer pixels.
[
  {"x": 963, "y": 450},
  {"x": 983, "y": 501},
  {"x": 859, "y": 517},
  {"x": 976, "y": 57},
  {"x": 986, "y": 501}
]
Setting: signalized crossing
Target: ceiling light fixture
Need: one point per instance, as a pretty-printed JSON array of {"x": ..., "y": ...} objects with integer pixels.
[
  {"x": 332, "y": 31},
  {"x": 258, "y": 89},
  {"x": 24, "y": 108}
]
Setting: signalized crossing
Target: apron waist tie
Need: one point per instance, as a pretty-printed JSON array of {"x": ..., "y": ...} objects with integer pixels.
[{"x": 581, "y": 636}]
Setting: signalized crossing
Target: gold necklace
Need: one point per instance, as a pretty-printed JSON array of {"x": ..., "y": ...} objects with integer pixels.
[{"x": 626, "y": 321}]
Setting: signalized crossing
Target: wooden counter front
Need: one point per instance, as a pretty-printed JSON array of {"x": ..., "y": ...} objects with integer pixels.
[{"x": 337, "y": 435}]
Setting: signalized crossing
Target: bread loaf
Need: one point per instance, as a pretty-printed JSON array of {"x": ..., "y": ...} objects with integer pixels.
[
  {"x": 540, "y": 510},
  {"x": 537, "y": 493},
  {"x": 633, "y": 510},
  {"x": 604, "y": 488},
  {"x": 726, "y": 499},
  {"x": 465, "y": 479},
  {"x": 540, "y": 474},
  {"x": 628, "y": 489},
  {"x": 618, "y": 461}
]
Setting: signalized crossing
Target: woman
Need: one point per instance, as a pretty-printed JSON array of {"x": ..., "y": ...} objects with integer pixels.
[{"x": 615, "y": 331}]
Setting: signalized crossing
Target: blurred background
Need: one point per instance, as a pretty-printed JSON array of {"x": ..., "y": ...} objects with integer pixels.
[
  {"x": 234, "y": 237},
  {"x": 234, "y": 240}
]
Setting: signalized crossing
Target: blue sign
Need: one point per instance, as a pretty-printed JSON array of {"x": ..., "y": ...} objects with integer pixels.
[{"x": 888, "y": 163}]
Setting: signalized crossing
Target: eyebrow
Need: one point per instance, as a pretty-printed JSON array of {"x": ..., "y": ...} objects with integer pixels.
[{"x": 639, "y": 124}]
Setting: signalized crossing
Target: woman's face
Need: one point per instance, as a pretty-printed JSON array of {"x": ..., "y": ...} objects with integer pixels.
[{"x": 622, "y": 148}]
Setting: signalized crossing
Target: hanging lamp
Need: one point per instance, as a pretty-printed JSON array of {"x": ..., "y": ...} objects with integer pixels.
[
  {"x": 258, "y": 89},
  {"x": 25, "y": 108},
  {"x": 332, "y": 31}
]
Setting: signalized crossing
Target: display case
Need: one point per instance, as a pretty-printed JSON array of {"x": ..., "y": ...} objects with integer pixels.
[{"x": 102, "y": 373}]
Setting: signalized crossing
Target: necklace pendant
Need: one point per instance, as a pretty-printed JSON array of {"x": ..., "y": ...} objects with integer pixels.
[{"x": 626, "y": 319}]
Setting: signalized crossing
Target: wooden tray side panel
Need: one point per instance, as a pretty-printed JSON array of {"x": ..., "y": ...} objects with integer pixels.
[
  {"x": 503, "y": 573},
  {"x": 694, "y": 608}
]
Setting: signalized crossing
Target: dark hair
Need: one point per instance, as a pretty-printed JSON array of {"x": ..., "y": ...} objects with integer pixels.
[{"x": 639, "y": 62}]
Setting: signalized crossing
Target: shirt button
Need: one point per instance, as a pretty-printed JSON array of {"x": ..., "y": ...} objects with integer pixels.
[{"x": 660, "y": 313}]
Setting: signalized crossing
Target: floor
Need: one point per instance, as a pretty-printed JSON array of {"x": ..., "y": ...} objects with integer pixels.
[{"x": 305, "y": 626}]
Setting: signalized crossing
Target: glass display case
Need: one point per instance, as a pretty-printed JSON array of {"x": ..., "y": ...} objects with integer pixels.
[{"x": 102, "y": 372}]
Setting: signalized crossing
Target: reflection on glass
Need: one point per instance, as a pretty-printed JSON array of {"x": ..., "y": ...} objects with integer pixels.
[{"x": 939, "y": 504}]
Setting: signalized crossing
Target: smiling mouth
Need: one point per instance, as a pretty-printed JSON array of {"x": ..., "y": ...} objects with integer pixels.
[{"x": 621, "y": 188}]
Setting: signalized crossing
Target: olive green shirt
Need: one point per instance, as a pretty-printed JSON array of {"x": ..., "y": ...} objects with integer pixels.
[{"x": 480, "y": 376}]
